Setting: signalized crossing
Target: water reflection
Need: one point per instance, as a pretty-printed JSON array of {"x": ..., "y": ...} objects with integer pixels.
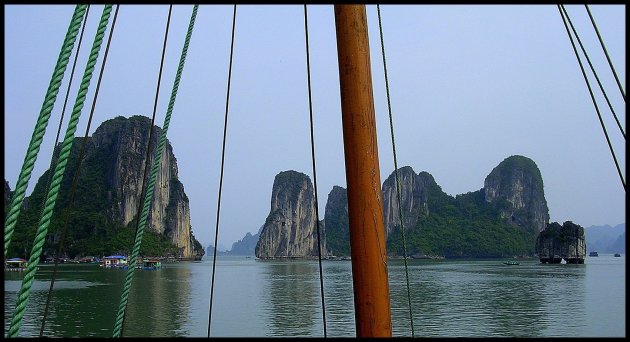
[
  {"x": 485, "y": 298},
  {"x": 294, "y": 297},
  {"x": 282, "y": 298},
  {"x": 158, "y": 302},
  {"x": 339, "y": 299},
  {"x": 69, "y": 315},
  {"x": 86, "y": 297}
]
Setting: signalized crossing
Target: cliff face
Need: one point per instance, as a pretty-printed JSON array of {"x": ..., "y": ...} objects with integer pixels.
[
  {"x": 107, "y": 196},
  {"x": 517, "y": 180},
  {"x": 290, "y": 230},
  {"x": 337, "y": 228},
  {"x": 414, "y": 190},
  {"x": 501, "y": 219},
  {"x": 556, "y": 242},
  {"x": 125, "y": 141},
  {"x": 413, "y": 193}
]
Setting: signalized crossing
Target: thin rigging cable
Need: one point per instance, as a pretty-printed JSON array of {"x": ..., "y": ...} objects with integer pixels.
[
  {"x": 65, "y": 103},
  {"x": 391, "y": 126},
  {"x": 153, "y": 175},
  {"x": 601, "y": 87},
  {"x": 148, "y": 154},
  {"x": 601, "y": 41},
  {"x": 227, "y": 104},
  {"x": 40, "y": 127},
  {"x": 77, "y": 172},
  {"x": 53, "y": 192},
  {"x": 155, "y": 104},
  {"x": 310, "y": 109},
  {"x": 612, "y": 152}
]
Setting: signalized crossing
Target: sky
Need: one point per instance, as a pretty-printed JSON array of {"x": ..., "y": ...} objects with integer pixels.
[{"x": 470, "y": 85}]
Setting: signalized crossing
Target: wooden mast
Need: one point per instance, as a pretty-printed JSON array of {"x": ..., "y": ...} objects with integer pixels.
[{"x": 365, "y": 207}]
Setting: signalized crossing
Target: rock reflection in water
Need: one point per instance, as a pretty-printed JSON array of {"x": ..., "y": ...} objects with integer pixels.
[
  {"x": 293, "y": 296},
  {"x": 157, "y": 307}
]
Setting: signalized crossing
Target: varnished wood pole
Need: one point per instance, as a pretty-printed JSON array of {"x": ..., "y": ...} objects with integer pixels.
[{"x": 365, "y": 205}]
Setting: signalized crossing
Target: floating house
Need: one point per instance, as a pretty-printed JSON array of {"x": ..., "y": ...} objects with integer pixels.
[
  {"x": 89, "y": 260},
  {"x": 15, "y": 264},
  {"x": 151, "y": 264},
  {"x": 117, "y": 261}
]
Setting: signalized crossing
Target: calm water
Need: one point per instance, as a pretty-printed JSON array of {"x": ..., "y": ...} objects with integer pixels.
[{"x": 450, "y": 298}]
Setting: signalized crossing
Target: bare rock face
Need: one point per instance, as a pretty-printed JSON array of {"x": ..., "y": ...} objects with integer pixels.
[
  {"x": 517, "y": 180},
  {"x": 290, "y": 230},
  {"x": 512, "y": 195},
  {"x": 558, "y": 242},
  {"x": 125, "y": 142},
  {"x": 414, "y": 190},
  {"x": 413, "y": 193},
  {"x": 336, "y": 219}
]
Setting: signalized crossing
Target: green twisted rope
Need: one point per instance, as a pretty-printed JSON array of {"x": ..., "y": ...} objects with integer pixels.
[
  {"x": 149, "y": 193},
  {"x": 40, "y": 126},
  {"x": 51, "y": 197}
]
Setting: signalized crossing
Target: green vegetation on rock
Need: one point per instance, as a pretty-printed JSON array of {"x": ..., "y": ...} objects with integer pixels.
[
  {"x": 462, "y": 227},
  {"x": 94, "y": 222}
]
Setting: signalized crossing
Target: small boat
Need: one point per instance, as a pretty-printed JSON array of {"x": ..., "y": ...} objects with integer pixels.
[
  {"x": 511, "y": 262},
  {"x": 617, "y": 255},
  {"x": 15, "y": 264},
  {"x": 593, "y": 254},
  {"x": 151, "y": 264}
]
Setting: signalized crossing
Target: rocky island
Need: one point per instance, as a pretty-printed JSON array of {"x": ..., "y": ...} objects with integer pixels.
[
  {"x": 102, "y": 216},
  {"x": 502, "y": 219},
  {"x": 290, "y": 230},
  {"x": 559, "y": 242}
]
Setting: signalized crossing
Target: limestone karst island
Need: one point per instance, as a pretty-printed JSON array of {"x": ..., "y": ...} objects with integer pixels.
[
  {"x": 106, "y": 201},
  {"x": 506, "y": 218}
]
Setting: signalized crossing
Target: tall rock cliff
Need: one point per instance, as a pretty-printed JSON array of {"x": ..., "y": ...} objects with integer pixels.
[
  {"x": 518, "y": 181},
  {"x": 501, "y": 219},
  {"x": 108, "y": 193},
  {"x": 126, "y": 143},
  {"x": 290, "y": 230},
  {"x": 414, "y": 193},
  {"x": 336, "y": 222}
]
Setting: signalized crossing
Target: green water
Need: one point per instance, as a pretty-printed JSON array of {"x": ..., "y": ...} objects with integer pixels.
[{"x": 253, "y": 298}]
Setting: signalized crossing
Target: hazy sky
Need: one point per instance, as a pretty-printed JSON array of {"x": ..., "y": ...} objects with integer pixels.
[{"x": 470, "y": 86}]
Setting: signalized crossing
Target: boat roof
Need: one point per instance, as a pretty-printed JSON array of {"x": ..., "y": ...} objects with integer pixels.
[
  {"x": 16, "y": 261},
  {"x": 116, "y": 257}
]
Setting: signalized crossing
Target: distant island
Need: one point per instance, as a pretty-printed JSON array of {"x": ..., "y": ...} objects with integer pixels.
[
  {"x": 508, "y": 217},
  {"x": 502, "y": 219},
  {"x": 606, "y": 238}
]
